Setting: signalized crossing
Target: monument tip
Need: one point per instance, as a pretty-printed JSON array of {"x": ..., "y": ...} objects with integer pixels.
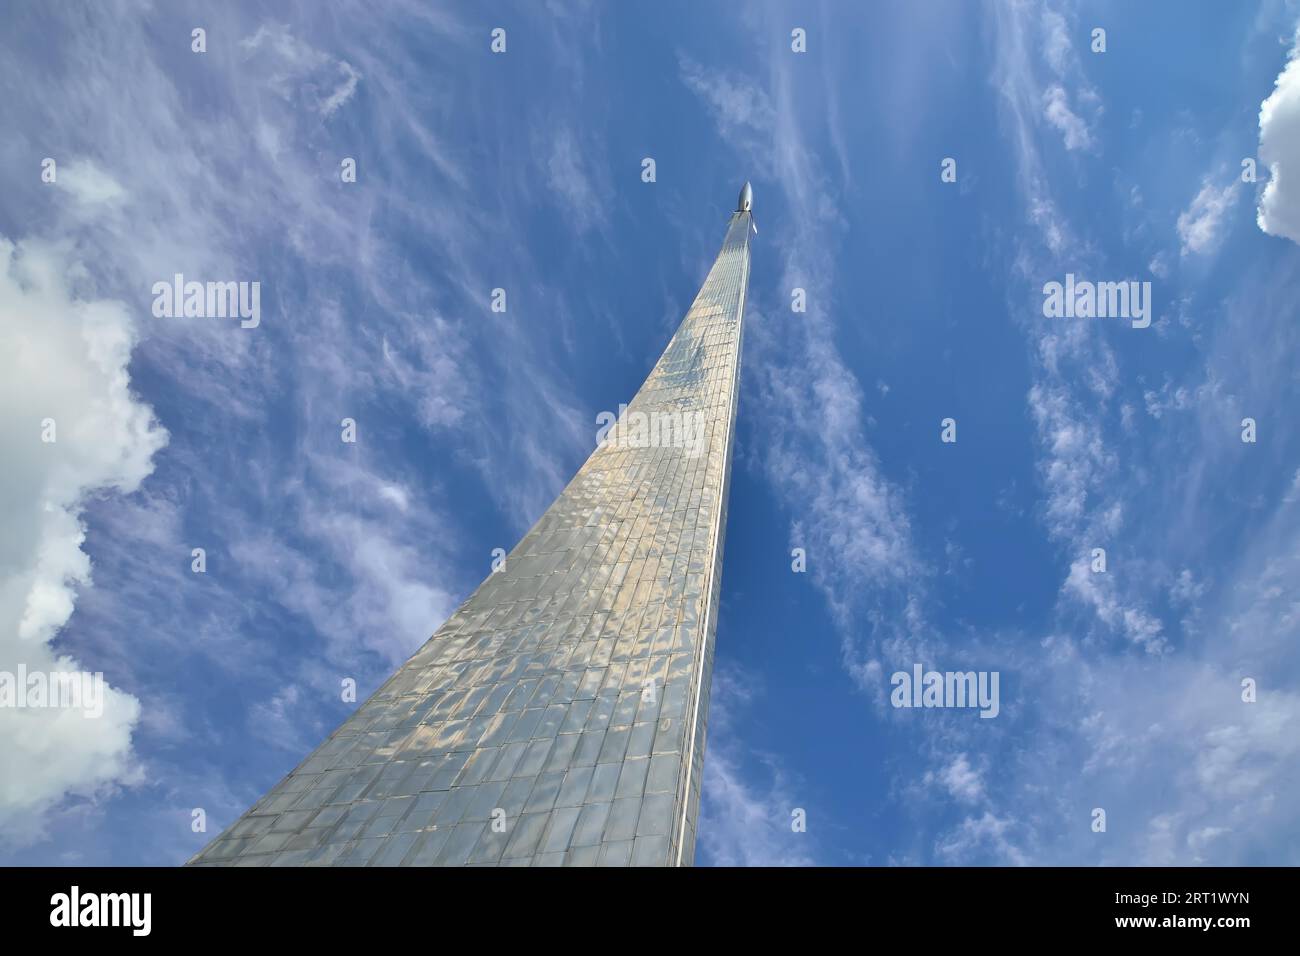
[{"x": 746, "y": 202}]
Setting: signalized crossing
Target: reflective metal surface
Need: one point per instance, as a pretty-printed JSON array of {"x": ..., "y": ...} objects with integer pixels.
[{"x": 558, "y": 717}]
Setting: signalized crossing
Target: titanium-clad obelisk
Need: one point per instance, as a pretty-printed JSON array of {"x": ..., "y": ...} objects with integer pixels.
[{"x": 558, "y": 717}]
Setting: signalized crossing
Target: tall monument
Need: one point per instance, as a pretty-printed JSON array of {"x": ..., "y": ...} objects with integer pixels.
[{"x": 558, "y": 717}]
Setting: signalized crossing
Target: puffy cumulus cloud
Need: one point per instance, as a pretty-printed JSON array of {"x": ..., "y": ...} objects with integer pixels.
[
  {"x": 1279, "y": 150},
  {"x": 63, "y": 375}
]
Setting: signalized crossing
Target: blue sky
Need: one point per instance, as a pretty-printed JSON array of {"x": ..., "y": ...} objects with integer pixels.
[{"x": 522, "y": 171}]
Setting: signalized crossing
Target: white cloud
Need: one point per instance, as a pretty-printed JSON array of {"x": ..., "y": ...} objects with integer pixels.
[
  {"x": 1023, "y": 103},
  {"x": 1058, "y": 52},
  {"x": 962, "y": 781},
  {"x": 1279, "y": 151},
  {"x": 1056, "y": 108},
  {"x": 570, "y": 177},
  {"x": 302, "y": 72},
  {"x": 343, "y": 92},
  {"x": 1057, "y": 48},
  {"x": 1186, "y": 589},
  {"x": 65, "y": 360},
  {"x": 1098, "y": 591},
  {"x": 1076, "y": 459},
  {"x": 747, "y": 824},
  {"x": 986, "y": 834},
  {"x": 1200, "y": 225},
  {"x": 1293, "y": 493},
  {"x": 1171, "y": 752},
  {"x": 88, "y": 183},
  {"x": 737, "y": 105}
]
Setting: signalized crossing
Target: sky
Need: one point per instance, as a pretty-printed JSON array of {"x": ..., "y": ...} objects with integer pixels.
[{"x": 1169, "y": 156}]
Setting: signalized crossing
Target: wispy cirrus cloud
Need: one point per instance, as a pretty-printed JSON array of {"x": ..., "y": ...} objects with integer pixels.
[
  {"x": 1074, "y": 122},
  {"x": 1201, "y": 225},
  {"x": 570, "y": 176},
  {"x": 1167, "y": 704},
  {"x": 808, "y": 403},
  {"x": 741, "y": 109},
  {"x": 300, "y": 72},
  {"x": 748, "y": 815}
]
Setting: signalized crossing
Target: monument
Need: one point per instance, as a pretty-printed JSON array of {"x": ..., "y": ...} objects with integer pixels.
[{"x": 558, "y": 717}]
